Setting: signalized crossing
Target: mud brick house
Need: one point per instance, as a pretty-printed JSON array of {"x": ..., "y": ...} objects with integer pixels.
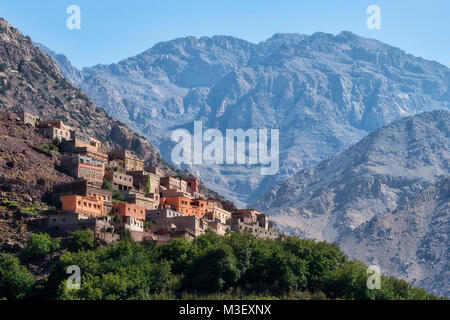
[
  {"x": 172, "y": 193},
  {"x": 132, "y": 224},
  {"x": 172, "y": 183},
  {"x": 54, "y": 129},
  {"x": 82, "y": 188},
  {"x": 191, "y": 224},
  {"x": 215, "y": 226},
  {"x": 254, "y": 222},
  {"x": 84, "y": 167},
  {"x": 248, "y": 216},
  {"x": 148, "y": 201},
  {"x": 27, "y": 118},
  {"x": 129, "y": 210},
  {"x": 239, "y": 226},
  {"x": 140, "y": 181},
  {"x": 120, "y": 181},
  {"x": 90, "y": 148},
  {"x": 159, "y": 172},
  {"x": 152, "y": 215},
  {"x": 67, "y": 222},
  {"x": 192, "y": 184},
  {"x": 186, "y": 206},
  {"x": 131, "y": 161},
  {"x": 89, "y": 206},
  {"x": 215, "y": 211}
]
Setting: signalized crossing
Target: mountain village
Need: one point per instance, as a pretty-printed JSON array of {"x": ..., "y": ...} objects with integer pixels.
[{"x": 115, "y": 192}]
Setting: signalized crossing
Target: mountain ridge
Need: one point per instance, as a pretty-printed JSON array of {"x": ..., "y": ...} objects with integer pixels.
[
  {"x": 353, "y": 197},
  {"x": 323, "y": 92}
]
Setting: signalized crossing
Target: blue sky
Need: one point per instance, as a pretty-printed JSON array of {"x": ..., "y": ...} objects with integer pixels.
[{"x": 112, "y": 30}]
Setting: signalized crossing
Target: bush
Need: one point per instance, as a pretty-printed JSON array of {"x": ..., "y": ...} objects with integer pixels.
[
  {"x": 56, "y": 141},
  {"x": 38, "y": 246},
  {"x": 118, "y": 196},
  {"x": 213, "y": 271},
  {"x": 15, "y": 281},
  {"x": 107, "y": 184},
  {"x": 215, "y": 267},
  {"x": 81, "y": 240}
]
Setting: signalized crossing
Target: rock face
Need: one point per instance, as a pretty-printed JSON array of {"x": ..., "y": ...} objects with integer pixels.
[
  {"x": 323, "y": 92},
  {"x": 411, "y": 242},
  {"x": 31, "y": 81},
  {"x": 27, "y": 169},
  {"x": 384, "y": 200}
]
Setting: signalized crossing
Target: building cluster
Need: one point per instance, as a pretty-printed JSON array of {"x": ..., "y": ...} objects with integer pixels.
[{"x": 115, "y": 191}]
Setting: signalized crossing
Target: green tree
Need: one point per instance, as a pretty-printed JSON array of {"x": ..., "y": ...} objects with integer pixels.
[
  {"x": 349, "y": 281},
  {"x": 274, "y": 270},
  {"x": 107, "y": 184},
  {"x": 321, "y": 258},
  {"x": 81, "y": 240},
  {"x": 15, "y": 281},
  {"x": 118, "y": 196},
  {"x": 57, "y": 141},
  {"x": 215, "y": 270},
  {"x": 38, "y": 246},
  {"x": 180, "y": 253}
]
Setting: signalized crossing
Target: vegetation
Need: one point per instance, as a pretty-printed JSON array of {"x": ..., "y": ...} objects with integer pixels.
[
  {"x": 81, "y": 240},
  {"x": 117, "y": 196},
  {"x": 237, "y": 266},
  {"x": 147, "y": 184},
  {"x": 107, "y": 184},
  {"x": 15, "y": 281},
  {"x": 30, "y": 209},
  {"x": 57, "y": 142},
  {"x": 38, "y": 246},
  {"x": 48, "y": 149}
]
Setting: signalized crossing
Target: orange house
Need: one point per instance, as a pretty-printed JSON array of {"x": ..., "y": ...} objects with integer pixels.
[
  {"x": 129, "y": 210},
  {"x": 90, "y": 206},
  {"x": 186, "y": 206}
]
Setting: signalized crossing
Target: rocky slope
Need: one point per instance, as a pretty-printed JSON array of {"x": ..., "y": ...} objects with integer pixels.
[
  {"x": 28, "y": 170},
  {"x": 31, "y": 81},
  {"x": 411, "y": 242},
  {"x": 361, "y": 198},
  {"x": 323, "y": 92}
]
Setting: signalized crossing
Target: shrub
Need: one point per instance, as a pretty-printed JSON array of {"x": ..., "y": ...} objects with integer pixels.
[
  {"x": 38, "y": 246},
  {"x": 15, "y": 281},
  {"x": 81, "y": 240},
  {"x": 56, "y": 141},
  {"x": 107, "y": 184},
  {"x": 213, "y": 271},
  {"x": 118, "y": 196}
]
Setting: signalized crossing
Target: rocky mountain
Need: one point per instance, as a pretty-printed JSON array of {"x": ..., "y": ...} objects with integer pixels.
[
  {"x": 383, "y": 199},
  {"x": 65, "y": 66},
  {"x": 412, "y": 241},
  {"x": 323, "y": 92},
  {"x": 31, "y": 81},
  {"x": 27, "y": 171}
]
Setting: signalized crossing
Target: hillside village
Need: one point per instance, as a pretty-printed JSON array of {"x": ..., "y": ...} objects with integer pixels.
[{"x": 114, "y": 192}]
